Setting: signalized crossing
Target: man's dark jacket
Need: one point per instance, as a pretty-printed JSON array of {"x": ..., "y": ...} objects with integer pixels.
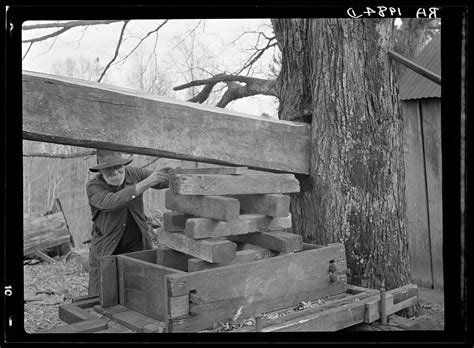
[{"x": 109, "y": 206}]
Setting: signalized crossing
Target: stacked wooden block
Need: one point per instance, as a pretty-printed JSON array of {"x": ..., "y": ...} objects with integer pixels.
[{"x": 215, "y": 209}]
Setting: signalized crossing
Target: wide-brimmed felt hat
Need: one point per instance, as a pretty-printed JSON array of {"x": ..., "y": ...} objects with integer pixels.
[{"x": 106, "y": 159}]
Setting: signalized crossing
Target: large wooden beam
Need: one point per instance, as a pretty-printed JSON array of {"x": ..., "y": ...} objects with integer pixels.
[{"x": 82, "y": 113}]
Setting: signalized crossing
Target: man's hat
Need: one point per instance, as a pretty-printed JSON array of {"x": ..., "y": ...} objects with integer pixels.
[{"x": 106, "y": 158}]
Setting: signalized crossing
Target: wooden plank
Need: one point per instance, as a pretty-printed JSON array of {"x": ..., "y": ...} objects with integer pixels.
[
  {"x": 277, "y": 205},
  {"x": 417, "y": 210},
  {"x": 205, "y": 315},
  {"x": 80, "y": 113},
  {"x": 198, "y": 228},
  {"x": 149, "y": 255},
  {"x": 143, "y": 286},
  {"x": 279, "y": 241},
  {"x": 196, "y": 264},
  {"x": 431, "y": 115},
  {"x": 216, "y": 184},
  {"x": 373, "y": 308},
  {"x": 309, "y": 267},
  {"x": 86, "y": 301},
  {"x": 172, "y": 258},
  {"x": 70, "y": 313},
  {"x": 133, "y": 320},
  {"x": 85, "y": 326},
  {"x": 175, "y": 221},
  {"x": 178, "y": 306},
  {"x": 211, "y": 207},
  {"x": 211, "y": 250},
  {"x": 159, "y": 327},
  {"x": 316, "y": 308},
  {"x": 214, "y": 170},
  {"x": 391, "y": 308},
  {"x": 115, "y": 329},
  {"x": 280, "y": 281},
  {"x": 110, "y": 311},
  {"x": 108, "y": 283},
  {"x": 44, "y": 257}
]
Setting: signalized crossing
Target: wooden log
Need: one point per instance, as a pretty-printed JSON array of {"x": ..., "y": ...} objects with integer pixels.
[
  {"x": 142, "y": 286},
  {"x": 198, "y": 228},
  {"x": 212, "y": 170},
  {"x": 44, "y": 232},
  {"x": 108, "y": 281},
  {"x": 85, "y": 326},
  {"x": 277, "y": 205},
  {"x": 216, "y": 184},
  {"x": 174, "y": 221},
  {"x": 86, "y": 301},
  {"x": 71, "y": 313},
  {"x": 284, "y": 242},
  {"x": 211, "y": 207},
  {"x": 211, "y": 250},
  {"x": 196, "y": 264},
  {"x": 80, "y": 113},
  {"x": 277, "y": 282}
]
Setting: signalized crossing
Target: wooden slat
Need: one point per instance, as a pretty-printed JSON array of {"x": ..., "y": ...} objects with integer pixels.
[
  {"x": 178, "y": 306},
  {"x": 110, "y": 311},
  {"x": 277, "y": 205},
  {"x": 174, "y": 221},
  {"x": 70, "y": 313},
  {"x": 211, "y": 250},
  {"x": 44, "y": 257},
  {"x": 108, "y": 283},
  {"x": 216, "y": 184},
  {"x": 214, "y": 170},
  {"x": 88, "y": 114},
  {"x": 279, "y": 241},
  {"x": 392, "y": 308},
  {"x": 211, "y": 207},
  {"x": 198, "y": 228},
  {"x": 216, "y": 294},
  {"x": 85, "y": 326},
  {"x": 133, "y": 320},
  {"x": 196, "y": 264},
  {"x": 143, "y": 286},
  {"x": 149, "y": 255}
]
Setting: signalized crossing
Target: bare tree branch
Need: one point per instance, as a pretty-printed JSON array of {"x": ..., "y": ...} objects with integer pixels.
[
  {"x": 71, "y": 24},
  {"x": 143, "y": 39},
  {"x": 45, "y": 37},
  {"x": 28, "y": 50},
  {"x": 60, "y": 155},
  {"x": 253, "y": 86},
  {"x": 116, "y": 51}
]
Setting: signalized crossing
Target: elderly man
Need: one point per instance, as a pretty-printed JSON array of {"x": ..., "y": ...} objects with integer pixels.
[{"x": 116, "y": 202}]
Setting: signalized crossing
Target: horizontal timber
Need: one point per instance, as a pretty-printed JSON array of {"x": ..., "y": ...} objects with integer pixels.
[{"x": 94, "y": 115}]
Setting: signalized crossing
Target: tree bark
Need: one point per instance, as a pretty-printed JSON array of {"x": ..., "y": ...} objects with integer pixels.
[{"x": 339, "y": 71}]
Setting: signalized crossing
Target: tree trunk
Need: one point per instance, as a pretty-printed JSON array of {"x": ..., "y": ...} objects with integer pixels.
[{"x": 355, "y": 191}]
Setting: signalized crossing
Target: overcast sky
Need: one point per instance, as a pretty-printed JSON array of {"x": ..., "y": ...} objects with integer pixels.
[{"x": 214, "y": 41}]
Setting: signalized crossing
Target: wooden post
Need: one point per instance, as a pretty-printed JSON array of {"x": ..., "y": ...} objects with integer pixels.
[
  {"x": 258, "y": 323},
  {"x": 383, "y": 305}
]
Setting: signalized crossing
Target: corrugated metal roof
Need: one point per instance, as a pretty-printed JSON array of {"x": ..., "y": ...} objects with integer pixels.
[{"x": 415, "y": 86}]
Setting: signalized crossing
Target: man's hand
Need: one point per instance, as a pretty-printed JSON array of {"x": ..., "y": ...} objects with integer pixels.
[{"x": 157, "y": 177}]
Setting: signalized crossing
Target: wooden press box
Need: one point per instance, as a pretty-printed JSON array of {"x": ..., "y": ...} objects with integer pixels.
[{"x": 189, "y": 294}]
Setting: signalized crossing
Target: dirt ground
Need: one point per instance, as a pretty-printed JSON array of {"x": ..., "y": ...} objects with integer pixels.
[{"x": 431, "y": 313}]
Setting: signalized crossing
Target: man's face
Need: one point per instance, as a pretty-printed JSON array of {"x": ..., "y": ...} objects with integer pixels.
[{"x": 114, "y": 175}]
